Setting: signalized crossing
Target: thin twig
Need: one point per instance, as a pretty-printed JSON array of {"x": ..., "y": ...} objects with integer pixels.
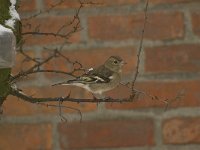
[
  {"x": 140, "y": 46},
  {"x": 51, "y": 71},
  {"x": 45, "y": 11},
  {"x": 36, "y": 69},
  {"x": 61, "y": 106},
  {"x": 37, "y": 65}
]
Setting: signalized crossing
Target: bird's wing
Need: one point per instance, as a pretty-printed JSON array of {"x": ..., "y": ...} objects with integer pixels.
[
  {"x": 98, "y": 75},
  {"x": 101, "y": 74},
  {"x": 92, "y": 79}
]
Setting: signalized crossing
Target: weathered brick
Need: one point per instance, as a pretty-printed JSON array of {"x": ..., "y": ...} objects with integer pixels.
[
  {"x": 106, "y": 134},
  {"x": 196, "y": 23},
  {"x": 22, "y": 63},
  {"x": 99, "y": 3},
  {"x": 176, "y": 58},
  {"x": 93, "y": 58},
  {"x": 16, "y": 107},
  {"x": 25, "y": 136},
  {"x": 163, "y": 90},
  {"x": 27, "y": 5},
  {"x": 110, "y": 27},
  {"x": 181, "y": 131},
  {"x": 48, "y": 25},
  {"x": 171, "y": 1}
]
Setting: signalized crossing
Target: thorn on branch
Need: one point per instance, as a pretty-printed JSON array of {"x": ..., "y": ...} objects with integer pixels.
[{"x": 134, "y": 95}]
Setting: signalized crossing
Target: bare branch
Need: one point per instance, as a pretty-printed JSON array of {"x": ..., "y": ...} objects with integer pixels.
[
  {"x": 31, "y": 99},
  {"x": 60, "y": 106},
  {"x": 140, "y": 46},
  {"x": 45, "y": 11},
  {"x": 77, "y": 66},
  {"x": 36, "y": 66},
  {"x": 51, "y": 71}
]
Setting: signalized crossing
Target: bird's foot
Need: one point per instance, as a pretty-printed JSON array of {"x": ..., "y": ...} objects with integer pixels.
[
  {"x": 94, "y": 97},
  {"x": 107, "y": 98}
]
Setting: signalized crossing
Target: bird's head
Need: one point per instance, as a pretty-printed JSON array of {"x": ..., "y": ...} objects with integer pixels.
[{"x": 114, "y": 63}]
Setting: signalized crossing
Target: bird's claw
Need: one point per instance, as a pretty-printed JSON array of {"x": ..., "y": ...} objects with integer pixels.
[
  {"x": 107, "y": 98},
  {"x": 94, "y": 97}
]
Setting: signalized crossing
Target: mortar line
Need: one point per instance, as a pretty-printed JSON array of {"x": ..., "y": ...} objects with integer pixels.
[{"x": 55, "y": 136}]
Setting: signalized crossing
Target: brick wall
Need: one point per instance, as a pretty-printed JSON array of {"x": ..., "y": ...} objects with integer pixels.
[{"x": 169, "y": 63}]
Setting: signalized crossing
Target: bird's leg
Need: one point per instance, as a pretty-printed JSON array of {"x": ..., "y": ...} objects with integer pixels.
[
  {"x": 94, "y": 96},
  {"x": 104, "y": 97},
  {"x": 107, "y": 98}
]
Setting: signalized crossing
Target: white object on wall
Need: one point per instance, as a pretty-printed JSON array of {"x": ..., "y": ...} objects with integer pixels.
[{"x": 7, "y": 47}]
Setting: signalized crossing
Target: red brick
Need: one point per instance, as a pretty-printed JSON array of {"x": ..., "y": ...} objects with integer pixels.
[
  {"x": 27, "y": 5},
  {"x": 171, "y": 1},
  {"x": 181, "y": 131},
  {"x": 25, "y": 136},
  {"x": 163, "y": 90},
  {"x": 21, "y": 63},
  {"x": 48, "y": 24},
  {"x": 100, "y": 3},
  {"x": 130, "y": 26},
  {"x": 93, "y": 58},
  {"x": 196, "y": 23},
  {"x": 176, "y": 58},
  {"x": 106, "y": 134},
  {"x": 16, "y": 107}
]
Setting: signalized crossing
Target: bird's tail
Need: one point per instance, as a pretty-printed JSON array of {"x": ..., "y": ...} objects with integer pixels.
[{"x": 64, "y": 83}]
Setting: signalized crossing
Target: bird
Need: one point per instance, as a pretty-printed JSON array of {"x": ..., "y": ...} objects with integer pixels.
[{"x": 101, "y": 79}]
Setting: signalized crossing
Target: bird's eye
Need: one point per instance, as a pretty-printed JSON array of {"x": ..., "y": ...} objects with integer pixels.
[{"x": 115, "y": 62}]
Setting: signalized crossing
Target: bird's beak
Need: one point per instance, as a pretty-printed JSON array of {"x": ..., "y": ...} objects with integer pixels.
[{"x": 123, "y": 63}]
